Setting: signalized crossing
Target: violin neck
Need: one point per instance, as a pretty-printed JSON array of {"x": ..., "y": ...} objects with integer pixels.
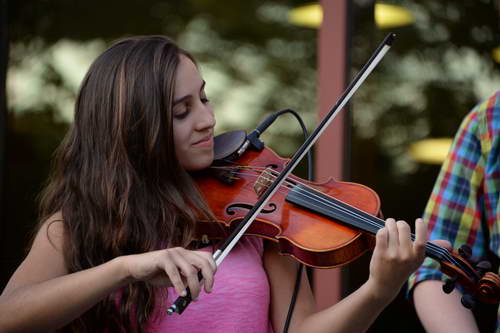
[{"x": 320, "y": 203}]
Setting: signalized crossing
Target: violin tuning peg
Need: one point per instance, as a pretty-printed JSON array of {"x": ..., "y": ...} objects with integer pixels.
[
  {"x": 483, "y": 267},
  {"x": 465, "y": 251},
  {"x": 449, "y": 285},
  {"x": 468, "y": 301}
]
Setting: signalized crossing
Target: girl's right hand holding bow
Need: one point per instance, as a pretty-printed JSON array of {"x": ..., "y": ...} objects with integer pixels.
[
  {"x": 174, "y": 267},
  {"x": 43, "y": 296}
]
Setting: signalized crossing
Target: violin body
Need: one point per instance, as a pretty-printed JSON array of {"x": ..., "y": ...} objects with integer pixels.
[{"x": 312, "y": 239}]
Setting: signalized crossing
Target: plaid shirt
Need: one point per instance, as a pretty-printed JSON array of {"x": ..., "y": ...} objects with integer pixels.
[{"x": 467, "y": 190}]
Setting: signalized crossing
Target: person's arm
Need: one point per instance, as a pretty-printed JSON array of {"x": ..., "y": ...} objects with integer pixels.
[
  {"x": 440, "y": 312},
  {"x": 41, "y": 296},
  {"x": 394, "y": 258},
  {"x": 464, "y": 195}
]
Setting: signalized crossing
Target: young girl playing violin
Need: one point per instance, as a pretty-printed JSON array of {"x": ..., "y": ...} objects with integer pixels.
[{"x": 115, "y": 245}]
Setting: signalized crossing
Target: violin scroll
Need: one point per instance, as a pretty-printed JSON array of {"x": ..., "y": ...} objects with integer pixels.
[
  {"x": 488, "y": 288},
  {"x": 479, "y": 283}
]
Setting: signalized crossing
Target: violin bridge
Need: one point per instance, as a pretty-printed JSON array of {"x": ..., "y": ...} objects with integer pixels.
[{"x": 263, "y": 182}]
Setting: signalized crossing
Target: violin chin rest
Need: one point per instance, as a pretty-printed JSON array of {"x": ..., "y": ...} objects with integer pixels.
[{"x": 228, "y": 143}]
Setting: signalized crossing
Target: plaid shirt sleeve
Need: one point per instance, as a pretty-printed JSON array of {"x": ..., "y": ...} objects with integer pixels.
[{"x": 466, "y": 190}]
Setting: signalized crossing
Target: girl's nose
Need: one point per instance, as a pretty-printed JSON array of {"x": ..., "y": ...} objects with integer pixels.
[{"x": 206, "y": 118}]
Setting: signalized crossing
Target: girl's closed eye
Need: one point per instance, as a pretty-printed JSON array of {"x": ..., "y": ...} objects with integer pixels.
[{"x": 181, "y": 114}]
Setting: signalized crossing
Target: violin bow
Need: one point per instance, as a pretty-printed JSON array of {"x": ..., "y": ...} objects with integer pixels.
[{"x": 183, "y": 301}]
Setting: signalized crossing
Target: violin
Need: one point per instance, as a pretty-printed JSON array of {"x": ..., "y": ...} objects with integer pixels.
[
  {"x": 322, "y": 225},
  {"x": 298, "y": 216}
]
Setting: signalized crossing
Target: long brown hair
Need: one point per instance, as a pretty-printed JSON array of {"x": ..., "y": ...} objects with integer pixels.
[{"x": 116, "y": 179}]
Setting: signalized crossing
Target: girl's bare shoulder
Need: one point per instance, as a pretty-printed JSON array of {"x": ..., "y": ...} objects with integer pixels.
[{"x": 45, "y": 259}]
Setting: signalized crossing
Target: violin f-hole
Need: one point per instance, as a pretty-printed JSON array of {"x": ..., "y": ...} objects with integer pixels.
[{"x": 230, "y": 210}]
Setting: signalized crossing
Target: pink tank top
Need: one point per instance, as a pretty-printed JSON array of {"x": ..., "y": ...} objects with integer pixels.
[{"x": 238, "y": 303}]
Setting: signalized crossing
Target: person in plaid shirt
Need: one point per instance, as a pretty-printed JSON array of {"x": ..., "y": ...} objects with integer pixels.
[{"x": 463, "y": 209}]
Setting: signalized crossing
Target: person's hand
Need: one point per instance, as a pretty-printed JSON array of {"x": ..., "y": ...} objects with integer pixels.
[
  {"x": 396, "y": 256},
  {"x": 175, "y": 267}
]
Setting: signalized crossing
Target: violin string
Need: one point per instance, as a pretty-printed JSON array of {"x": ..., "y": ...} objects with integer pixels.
[
  {"x": 316, "y": 197},
  {"x": 433, "y": 247},
  {"x": 439, "y": 251},
  {"x": 331, "y": 204},
  {"x": 445, "y": 254}
]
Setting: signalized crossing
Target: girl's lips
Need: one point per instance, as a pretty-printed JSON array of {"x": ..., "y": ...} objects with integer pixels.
[{"x": 206, "y": 141}]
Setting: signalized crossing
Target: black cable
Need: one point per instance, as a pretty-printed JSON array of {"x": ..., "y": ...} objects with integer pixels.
[
  {"x": 253, "y": 137},
  {"x": 257, "y": 144},
  {"x": 298, "y": 279}
]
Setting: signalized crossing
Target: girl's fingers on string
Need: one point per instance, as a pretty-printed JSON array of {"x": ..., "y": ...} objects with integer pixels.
[
  {"x": 420, "y": 238},
  {"x": 381, "y": 244},
  {"x": 405, "y": 242},
  {"x": 392, "y": 234}
]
